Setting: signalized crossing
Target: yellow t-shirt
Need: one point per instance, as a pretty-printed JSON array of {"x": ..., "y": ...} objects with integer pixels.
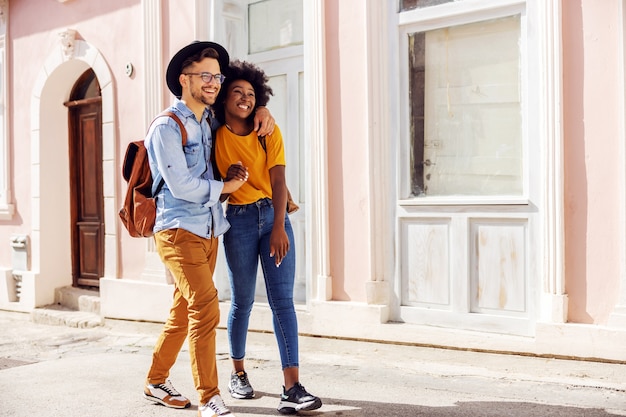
[{"x": 230, "y": 148}]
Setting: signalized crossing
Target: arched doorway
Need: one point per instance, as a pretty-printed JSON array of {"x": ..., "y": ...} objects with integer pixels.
[{"x": 86, "y": 183}]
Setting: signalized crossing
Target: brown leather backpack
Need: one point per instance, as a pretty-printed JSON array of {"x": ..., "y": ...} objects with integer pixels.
[{"x": 139, "y": 210}]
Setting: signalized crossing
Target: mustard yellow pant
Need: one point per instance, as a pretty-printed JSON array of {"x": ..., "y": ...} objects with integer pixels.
[{"x": 195, "y": 309}]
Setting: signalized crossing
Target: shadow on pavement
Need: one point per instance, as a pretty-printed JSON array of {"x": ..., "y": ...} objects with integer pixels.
[{"x": 466, "y": 409}]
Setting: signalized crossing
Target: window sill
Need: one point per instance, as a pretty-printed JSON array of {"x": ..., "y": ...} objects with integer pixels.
[{"x": 465, "y": 201}]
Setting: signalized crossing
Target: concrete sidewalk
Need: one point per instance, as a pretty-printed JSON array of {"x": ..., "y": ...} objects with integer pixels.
[{"x": 62, "y": 371}]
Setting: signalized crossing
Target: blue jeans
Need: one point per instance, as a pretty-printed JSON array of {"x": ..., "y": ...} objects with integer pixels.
[{"x": 247, "y": 241}]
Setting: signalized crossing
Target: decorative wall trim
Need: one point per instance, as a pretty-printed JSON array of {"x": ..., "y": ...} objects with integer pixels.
[
  {"x": 153, "y": 104},
  {"x": 4, "y": 11},
  {"x": 50, "y": 219},
  {"x": 68, "y": 40},
  {"x": 317, "y": 176},
  {"x": 554, "y": 306},
  {"x": 381, "y": 186},
  {"x": 153, "y": 59},
  {"x": 203, "y": 14}
]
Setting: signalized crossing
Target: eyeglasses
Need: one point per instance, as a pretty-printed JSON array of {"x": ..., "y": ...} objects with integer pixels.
[{"x": 207, "y": 77}]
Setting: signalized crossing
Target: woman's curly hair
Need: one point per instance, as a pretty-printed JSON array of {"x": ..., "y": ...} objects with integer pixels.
[{"x": 243, "y": 70}]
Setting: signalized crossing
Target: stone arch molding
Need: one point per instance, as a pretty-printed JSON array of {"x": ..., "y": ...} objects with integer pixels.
[{"x": 51, "y": 245}]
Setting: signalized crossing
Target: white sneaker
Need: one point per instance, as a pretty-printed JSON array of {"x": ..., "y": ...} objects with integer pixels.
[
  {"x": 214, "y": 408},
  {"x": 165, "y": 394}
]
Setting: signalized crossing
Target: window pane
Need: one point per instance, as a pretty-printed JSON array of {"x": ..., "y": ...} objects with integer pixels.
[
  {"x": 274, "y": 24},
  {"x": 279, "y": 100},
  {"x": 466, "y": 122},
  {"x": 418, "y": 4}
]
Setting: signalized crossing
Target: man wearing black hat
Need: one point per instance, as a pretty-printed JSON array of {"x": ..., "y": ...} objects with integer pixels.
[{"x": 188, "y": 222}]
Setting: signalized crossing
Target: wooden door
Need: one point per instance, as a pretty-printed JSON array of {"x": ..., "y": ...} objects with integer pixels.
[{"x": 87, "y": 200}]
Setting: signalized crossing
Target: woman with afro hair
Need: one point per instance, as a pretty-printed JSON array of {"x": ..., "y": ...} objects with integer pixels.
[{"x": 259, "y": 230}]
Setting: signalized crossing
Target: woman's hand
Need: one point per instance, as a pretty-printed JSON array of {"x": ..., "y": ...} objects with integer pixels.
[
  {"x": 236, "y": 176},
  {"x": 279, "y": 241},
  {"x": 237, "y": 171},
  {"x": 279, "y": 245}
]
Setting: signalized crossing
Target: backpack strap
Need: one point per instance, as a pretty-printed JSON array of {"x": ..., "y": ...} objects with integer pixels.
[
  {"x": 183, "y": 134},
  {"x": 183, "y": 131},
  {"x": 262, "y": 142},
  {"x": 292, "y": 207}
]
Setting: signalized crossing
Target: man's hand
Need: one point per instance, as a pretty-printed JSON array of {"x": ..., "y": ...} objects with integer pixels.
[{"x": 263, "y": 121}]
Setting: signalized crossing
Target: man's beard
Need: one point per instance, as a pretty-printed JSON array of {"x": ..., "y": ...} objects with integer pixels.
[{"x": 200, "y": 97}]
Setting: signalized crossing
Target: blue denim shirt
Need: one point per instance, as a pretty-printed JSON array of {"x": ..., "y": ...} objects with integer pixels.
[{"x": 189, "y": 199}]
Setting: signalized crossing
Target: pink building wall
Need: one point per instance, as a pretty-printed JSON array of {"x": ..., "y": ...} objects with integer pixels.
[
  {"x": 593, "y": 138},
  {"x": 593, "y": 119},
  {"x": 116, "y": 31},
  {"x": 348, "y": 156},
  {"x": 34, "y": 29}
]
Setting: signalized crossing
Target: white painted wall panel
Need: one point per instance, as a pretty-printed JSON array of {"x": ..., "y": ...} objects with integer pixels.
[
  {"x": 426, "y": 271},
  {"x": 499, "y": 281}
]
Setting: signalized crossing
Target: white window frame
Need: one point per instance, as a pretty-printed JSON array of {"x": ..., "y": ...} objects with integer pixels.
[
  {"x": 543, "y": 121},
  {"x": 447, "y": 15}
]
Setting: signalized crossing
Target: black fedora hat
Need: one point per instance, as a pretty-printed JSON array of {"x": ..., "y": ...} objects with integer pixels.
[{"x": 175, "y": 66}]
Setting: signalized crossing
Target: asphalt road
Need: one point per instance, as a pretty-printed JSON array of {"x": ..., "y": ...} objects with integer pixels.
[{"x": 50, "y": 371}]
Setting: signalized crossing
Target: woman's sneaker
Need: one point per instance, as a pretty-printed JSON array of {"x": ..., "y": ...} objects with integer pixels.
[
  {"x": 214, "y": 408},
  {"x": 239, "y": 386},
  {"x": 297, "y": 399},
  {"x": 165, "y": 394}
]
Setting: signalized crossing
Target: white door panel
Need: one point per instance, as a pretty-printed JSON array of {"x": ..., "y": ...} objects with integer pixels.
[{"x": 254, "y": 31}]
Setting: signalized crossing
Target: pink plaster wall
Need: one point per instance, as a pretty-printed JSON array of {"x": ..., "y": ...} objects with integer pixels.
[
  {"x": 178, "y": 22},
  {"x": 348, "y": 163},
  {"x": 33, "y": 35},
  {"x": 115, "y": 29},
  {"x": 593, "y": 140}
]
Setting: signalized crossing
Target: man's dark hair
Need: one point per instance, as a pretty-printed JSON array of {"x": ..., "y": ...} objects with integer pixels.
[{"x": 205, "y": 53}]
